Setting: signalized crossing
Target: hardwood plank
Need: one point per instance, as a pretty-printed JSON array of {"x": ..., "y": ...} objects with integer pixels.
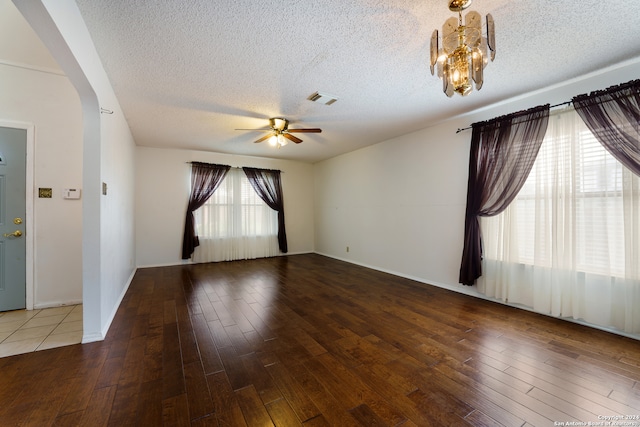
[
  {"x": 188, "y": 345},
  {"x": 281, "y": 413},
  {"x": 198, "y": 396},
  {"x": 568, "y": 405},
  {"x": 232, "y": 417},
  {"x": 350, "y": 389},
  {"x": 261, "y": 380},
  {"x": 319, "y": 421},
  {"x": 479, "y": 419},
  {"x": 172, "y": 372},
  {"x": 456, "y": 385},
  {"x": 208, "y": 353},
  {"x": 225, "y": 402},
  {"x": 110, "y": 372},
  {"x": 487, "y": 374},
  {"x": 226, "y": 319},
  {"x": 206, "y": 421},
  {"x": 582, "y": 397},
  {"x": 234, "y": 368},
  {"x": 629, "y": 399},
  {"x": 293, "y": 392},
  {"x": 26, "y": 395},
  {"x": 48, "y": 408},
  {"x": 252, "y": 407},
  {"x": 332, "y": 410},
  {"x": 238, "y": 340},
  {"x": 258, "y": 324},
  {"x": 99, "y": 407},
  {"x": 152, "y": 363},
  {"x": 83, "y": 384},
  {"x": 366, "y": 417},
  {"x": 69, "y": 420},
  {"x": 519, "y": 405},
  {"x": 220, "y": 337},
  {"x": 240, "y": 320},
  {"x": 175, "y": 411},
  {"x": 429, "y": 402},
  {"x": 124, "y": 407},
  {"x": 149, "y": 404},
  {"x": 208, "y": 312},
  {"x": 555, "y": 375},
  {"x": 309, "y": 344}
]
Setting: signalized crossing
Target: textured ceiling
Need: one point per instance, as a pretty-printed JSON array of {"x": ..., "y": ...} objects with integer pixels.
[{"x": 187, "y": 73}]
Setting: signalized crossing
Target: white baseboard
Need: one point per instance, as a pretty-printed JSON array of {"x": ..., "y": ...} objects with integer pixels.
[
  {"x": 56, "y": 304},
  {"x": 102, "y": 335},
  {"x": 168, "y": 264},
  {"x": 189, "y": 262},
  {"x": 86, "y": 339}
]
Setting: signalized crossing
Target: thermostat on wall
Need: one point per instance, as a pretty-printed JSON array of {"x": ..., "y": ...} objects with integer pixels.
[{"x": 71, "y": 193}]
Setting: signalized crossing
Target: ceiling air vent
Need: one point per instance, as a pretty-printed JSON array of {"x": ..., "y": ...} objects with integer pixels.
[{"x": 322, "y": 98}]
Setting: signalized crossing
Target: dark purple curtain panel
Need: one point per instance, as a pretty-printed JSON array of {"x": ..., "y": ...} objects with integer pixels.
[
  {"x": 502, "y": 154},
  {"x": 613, "y": 116},
  {"x": 205, "y": 179},
  {"x": 268, "y": 185}
]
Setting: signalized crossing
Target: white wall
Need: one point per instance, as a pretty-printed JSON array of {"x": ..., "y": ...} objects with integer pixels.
[
  {"x": 108, "y": 237},
  {"x": 117, "y": 236},
  {"x": 162, "y": 194},
  {"x": 399, "y": 205},
  {"x": 35, "y": 92}
]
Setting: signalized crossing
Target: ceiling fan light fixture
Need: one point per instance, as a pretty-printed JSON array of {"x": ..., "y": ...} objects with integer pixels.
[
  {"x": 279, "y": 133},
  {"x": 463, "y": 51},
  {"x": 282, "y": 141},
  {"x": 278, "y": 123},
  {"x": 278, "y": 140}
]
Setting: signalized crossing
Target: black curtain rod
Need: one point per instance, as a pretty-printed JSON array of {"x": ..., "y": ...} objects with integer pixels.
[
  {"x": 552, "y": 106},
  {"x": 240, "y": 167},
  {"x": 233, "y": 167}
]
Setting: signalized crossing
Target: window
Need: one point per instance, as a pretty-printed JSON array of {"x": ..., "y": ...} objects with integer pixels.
[
  {"x": 235, "y": 223},
  {"x": 576, "y": 172},
  {"x": 569, "y": 243}
]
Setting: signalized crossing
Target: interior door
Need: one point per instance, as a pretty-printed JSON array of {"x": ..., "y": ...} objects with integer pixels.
[{"x": 13, "y": 163}]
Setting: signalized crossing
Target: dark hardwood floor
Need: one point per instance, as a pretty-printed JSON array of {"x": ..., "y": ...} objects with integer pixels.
[{"x": 307, "y": 340}]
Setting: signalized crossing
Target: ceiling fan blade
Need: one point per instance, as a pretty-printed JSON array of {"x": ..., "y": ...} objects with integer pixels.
[
  {"x": 257, "y": 130},
  {"x": 263, "y": 138},
  {"x": 308, "y": 130},
  {"x": 292, "y": 138}
]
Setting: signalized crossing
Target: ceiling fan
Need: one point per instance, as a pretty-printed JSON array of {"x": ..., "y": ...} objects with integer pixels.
[{"x": 280, "y": 132}]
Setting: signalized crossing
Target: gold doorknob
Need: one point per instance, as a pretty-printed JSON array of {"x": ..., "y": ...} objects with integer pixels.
[{"x": 16, "y": 233}]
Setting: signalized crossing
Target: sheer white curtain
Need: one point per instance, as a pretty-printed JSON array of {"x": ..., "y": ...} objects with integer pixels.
[
  {"x": 235, "y": 223},
  {"x": 569, "y": 245}
]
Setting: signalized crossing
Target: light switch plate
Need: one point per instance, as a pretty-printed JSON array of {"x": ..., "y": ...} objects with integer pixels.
[{"x": 71, "y": 193}]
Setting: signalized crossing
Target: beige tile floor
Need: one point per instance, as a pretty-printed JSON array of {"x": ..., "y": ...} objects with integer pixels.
[{"x": 24, "y": 331}]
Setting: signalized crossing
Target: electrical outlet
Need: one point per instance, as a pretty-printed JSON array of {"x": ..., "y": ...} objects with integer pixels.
[{"x": 347, "y": 248}]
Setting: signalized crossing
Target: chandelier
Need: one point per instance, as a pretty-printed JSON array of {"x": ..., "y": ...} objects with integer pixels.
[{"x": 464, "y": 52}]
